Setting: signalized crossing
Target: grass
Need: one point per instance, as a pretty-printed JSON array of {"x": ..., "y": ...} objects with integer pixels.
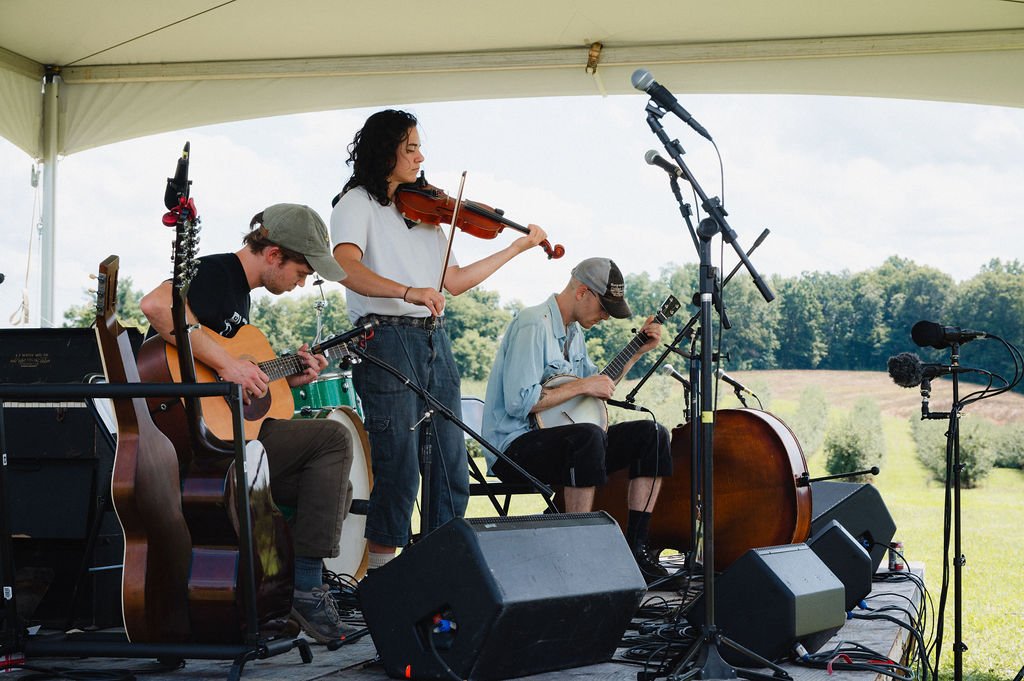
[{"x": 992, "y": 514}]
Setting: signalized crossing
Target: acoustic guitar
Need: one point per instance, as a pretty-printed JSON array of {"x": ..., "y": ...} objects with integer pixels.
[
  {"x": 145, "y": 491},
  {"x": 587, "y": 409},
  {"x": 159, "y": 362}
]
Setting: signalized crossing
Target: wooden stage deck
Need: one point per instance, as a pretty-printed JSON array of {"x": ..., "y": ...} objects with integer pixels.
[{"x": 357, "y": 661}]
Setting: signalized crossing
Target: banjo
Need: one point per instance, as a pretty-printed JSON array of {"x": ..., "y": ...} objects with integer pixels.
[{"x": 587, "y": 409}]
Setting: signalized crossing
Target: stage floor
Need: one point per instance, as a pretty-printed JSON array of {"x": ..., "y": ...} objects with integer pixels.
[{"x": 357, "y": 661}]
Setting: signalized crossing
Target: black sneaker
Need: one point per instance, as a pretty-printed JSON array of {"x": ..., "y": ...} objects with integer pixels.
[
  {"x": 317, "y": 614},
  {"x": 653, "y": 572}
]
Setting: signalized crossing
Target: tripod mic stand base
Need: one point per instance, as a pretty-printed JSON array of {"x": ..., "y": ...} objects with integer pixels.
[
  {"x": 707, "y": 663},
  {"x": 704, "y": 661}
]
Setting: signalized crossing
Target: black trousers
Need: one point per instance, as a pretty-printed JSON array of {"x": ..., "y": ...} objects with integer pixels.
[{"x": 582, "y": 454}]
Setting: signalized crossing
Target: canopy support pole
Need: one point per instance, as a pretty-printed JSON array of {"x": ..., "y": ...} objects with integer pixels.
[{"x": 48, "y": 237}]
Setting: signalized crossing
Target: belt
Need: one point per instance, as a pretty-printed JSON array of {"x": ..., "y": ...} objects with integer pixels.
[{"x": 428, "y": 323}]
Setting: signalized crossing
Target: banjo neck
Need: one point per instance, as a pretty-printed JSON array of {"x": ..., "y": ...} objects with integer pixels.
[{"x": 617, "y": 366}]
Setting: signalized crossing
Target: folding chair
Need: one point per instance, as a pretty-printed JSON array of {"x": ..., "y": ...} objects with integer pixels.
[{"x": 483, "y": 483}]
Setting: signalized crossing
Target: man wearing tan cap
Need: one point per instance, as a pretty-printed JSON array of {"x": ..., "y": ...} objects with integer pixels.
[
  {"x": 309, "y": 460},
  {"x": 548, "y": 340}
]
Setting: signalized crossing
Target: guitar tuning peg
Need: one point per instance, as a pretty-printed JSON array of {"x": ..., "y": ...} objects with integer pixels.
[{"x": 92, "y": 276}]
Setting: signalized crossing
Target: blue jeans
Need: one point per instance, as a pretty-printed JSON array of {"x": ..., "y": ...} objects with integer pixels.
[{"x": 392, "y": 409}]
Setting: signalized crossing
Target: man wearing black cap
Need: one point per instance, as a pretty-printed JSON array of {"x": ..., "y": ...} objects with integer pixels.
[
  {"x": 545, "y": 341},
  {"x": 309, "y": 460}
]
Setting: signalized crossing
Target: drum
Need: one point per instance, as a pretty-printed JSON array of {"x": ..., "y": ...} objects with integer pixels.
[
  {"x": 352, "y": 551},
  {"x": 328, "y": 391}
]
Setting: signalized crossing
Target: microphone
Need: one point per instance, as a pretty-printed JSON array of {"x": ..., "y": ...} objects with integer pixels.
[
  {"x": 907, "y": 370},
  {"x": 654, "y": 159},
  {"x": 932, "y": 335},
  {"x": 667, "y": 370},
  {"x": 366, "y": 331},
  {"x": 177, "y": 185},
  {"x": 355, "y": 332},
  {"x": 625, "y": 405},
  {"x": 732, "y": 381},
  {"x": 643, "y": 80}
]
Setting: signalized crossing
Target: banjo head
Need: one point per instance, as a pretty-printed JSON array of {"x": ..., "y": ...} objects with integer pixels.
[{"x": 579, "y": 409}]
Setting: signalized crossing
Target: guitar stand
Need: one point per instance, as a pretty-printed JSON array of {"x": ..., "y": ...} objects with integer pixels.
[
  {"x": 433, "y": 408},
  {"x": 14, "y": 640}
]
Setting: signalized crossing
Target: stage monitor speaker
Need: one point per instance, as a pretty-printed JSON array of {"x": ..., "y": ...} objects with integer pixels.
[
  {"x": 772, "y": 598},
  {"x": 495, "y": 598},
  {"x": 846, "y": 558},
  {"x": 859, "y": 508}
]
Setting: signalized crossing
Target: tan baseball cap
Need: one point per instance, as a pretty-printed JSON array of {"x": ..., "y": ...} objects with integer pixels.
[{"x": 300, "y": 229}]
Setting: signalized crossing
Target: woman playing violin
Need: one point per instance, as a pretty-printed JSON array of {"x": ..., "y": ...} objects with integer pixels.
[{"x": 393, "y": 272}]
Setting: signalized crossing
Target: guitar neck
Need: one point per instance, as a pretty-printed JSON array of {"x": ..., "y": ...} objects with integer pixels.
[
  {"x": 280, "y": 367},
  {"x": 289, "y": 365}
]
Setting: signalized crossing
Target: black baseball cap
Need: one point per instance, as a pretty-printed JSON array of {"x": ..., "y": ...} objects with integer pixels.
[{"x": 603, "y": 277}]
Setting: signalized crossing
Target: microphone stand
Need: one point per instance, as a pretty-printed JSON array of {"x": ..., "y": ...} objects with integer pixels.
[
  {"x": 953, "y": 469},
  {"x": 691, "y": 404},
  {"x": 687, "y": 330},
  {"x": 712, "y": 205},
  {"x": 703, "y": 660},
  {"x": 434, "y": 406}
]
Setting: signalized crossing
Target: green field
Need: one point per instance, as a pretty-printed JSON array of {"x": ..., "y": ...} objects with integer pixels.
[{"x": 992, "y": 516}]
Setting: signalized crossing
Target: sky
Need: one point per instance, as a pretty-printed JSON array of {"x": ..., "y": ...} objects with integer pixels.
[{"x": 842, "y": 183}]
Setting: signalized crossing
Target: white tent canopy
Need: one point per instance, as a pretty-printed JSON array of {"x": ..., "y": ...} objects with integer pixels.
[
  {"x": 131, "y": 68},
  {"x": 118, "y": 69}
]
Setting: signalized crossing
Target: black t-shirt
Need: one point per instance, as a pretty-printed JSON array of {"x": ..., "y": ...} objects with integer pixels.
[{"x": 219, "y": 294}]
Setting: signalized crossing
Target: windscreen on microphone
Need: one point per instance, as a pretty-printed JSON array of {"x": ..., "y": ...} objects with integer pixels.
[
  {"x": 906, "y": 369},
  {"x": 932, "y": 335},
  {"x": 928, "y": 335}
]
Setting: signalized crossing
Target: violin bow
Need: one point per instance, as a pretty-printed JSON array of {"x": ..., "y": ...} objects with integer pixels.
[{"x": 451, "y": 236}]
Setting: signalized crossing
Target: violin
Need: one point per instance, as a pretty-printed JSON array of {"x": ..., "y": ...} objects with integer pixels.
[{"x": 423, "y": 202}]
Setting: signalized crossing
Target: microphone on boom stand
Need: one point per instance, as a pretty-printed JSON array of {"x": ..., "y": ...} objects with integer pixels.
[{"x": 643, "y": 80}]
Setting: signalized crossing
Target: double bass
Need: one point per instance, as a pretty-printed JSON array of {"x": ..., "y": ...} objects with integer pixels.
[{"x": 761, "y": 497}]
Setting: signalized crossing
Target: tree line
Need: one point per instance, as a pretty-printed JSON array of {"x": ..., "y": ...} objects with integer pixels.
[{"x": 818, "y": 320}]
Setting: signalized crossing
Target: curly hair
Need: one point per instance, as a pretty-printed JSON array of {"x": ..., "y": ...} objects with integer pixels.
[{"x": 372, "y": 152}]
